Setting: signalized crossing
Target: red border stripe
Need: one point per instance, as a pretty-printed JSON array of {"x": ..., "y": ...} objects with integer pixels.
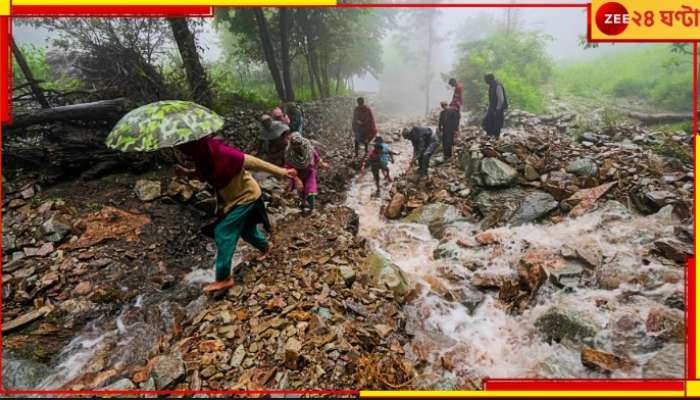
[
  {"x": 458, "y": 5},
  {"x": 690, "y": 318},
  {"x": 5, "y": 69},
  {"x": 111, "y": 11},
  {"x": 583, "y": 385}
]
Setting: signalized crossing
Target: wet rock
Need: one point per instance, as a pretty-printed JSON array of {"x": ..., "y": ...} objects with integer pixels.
[
  {"x": 557, "y": 183},
  {"x": 585, "y": 249},
  {"x": 82, "y": 288},
  {"x": 675, "y": 300},
  {"x": 535, "y": 206},
  {"x": 56, "y": 227},
  {"x": 147, "y": 190},
  {"x": 122, "y": 384},
  {"x": 22, "y": 374},
  {"x": 667, "y": 324},
  {"x": 610, "y": 276},
  {"x": 669, "y": 362},
  {"x": 582, "y": 167},
  {"x": 292, "y": 352},
  {"x": 180, "y": 189},
  {"x": 471, "y": 163},
  {"x": 435, "y": 215},
  {"x": 387, "y": 274},
  {"x": 383, "y": 330},
  {"x": 25, "y": 319},
  {"x": 602, "y": 361},
  {"x": 496, "y": 173},
  {"x": 531, "y": 173},
  {"x": 238, "y": 356},
  {"x": 393, "y": 210},
  {"x": 9, "y": 242},
  {"x": 673, "y": 249},
  {"x": 168, "y": 370},
  {"x": 559, "y": 323},
  {"x": 470, "y": 298},
  {"x": 348, "y": 275},
  {"x": 492, "y": 280},
  {"x": 585, "y": 199}
]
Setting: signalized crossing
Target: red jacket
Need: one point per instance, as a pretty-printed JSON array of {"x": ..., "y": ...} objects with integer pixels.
[{"x": 457, "y": 101}]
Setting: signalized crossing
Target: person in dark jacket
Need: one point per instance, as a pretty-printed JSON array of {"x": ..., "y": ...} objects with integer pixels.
[
  {"x": 498, "y": 104},
  {"x": 448, "y": 126},
  {"x": 424, "y": 142}
]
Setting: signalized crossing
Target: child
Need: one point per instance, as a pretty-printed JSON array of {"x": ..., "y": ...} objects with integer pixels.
[
  {"x": 379, "y": 159},
  {"x": 303, "y": 158}
]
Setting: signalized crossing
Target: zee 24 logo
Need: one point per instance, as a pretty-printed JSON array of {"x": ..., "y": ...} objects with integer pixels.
[{"x": 613, "y": 18}]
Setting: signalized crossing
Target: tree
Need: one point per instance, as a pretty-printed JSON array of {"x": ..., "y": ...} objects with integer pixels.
[
  {"x": 116, "y": 55},
  {"x": 324, "y": 45},
  {"x": 520, "y": 61},
  {"x": 196, "y": 77},
  {"x": 37, "y": 92}
]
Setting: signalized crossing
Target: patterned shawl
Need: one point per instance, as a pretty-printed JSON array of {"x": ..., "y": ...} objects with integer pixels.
[{"x": 299, "y": 151}]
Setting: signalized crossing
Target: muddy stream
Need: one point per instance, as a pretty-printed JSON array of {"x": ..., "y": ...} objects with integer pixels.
[{"x": 467, "y": 334}]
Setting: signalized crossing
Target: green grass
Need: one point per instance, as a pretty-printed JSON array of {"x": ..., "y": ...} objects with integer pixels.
[{"x": 660, "y": 78}]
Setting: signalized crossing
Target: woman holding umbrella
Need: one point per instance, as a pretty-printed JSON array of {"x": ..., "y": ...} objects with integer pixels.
[{"x": 188, "y": 127}]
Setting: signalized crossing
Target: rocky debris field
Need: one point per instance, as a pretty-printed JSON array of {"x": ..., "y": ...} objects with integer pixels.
[
  {"x": 569, "y": 245},
  {"x": 580, "y": 239}
]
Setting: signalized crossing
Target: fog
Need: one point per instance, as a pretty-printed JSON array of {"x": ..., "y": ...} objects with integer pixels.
[{"x": 400, "y": 80}]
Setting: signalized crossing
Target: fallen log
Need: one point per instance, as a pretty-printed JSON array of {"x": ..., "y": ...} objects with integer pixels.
[
  {"x": 664, "y": 118},
  {"x": 104, "y": 110}
]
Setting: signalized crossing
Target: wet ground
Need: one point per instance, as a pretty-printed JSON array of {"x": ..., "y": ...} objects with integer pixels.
[{"x": 561, "y": 297}]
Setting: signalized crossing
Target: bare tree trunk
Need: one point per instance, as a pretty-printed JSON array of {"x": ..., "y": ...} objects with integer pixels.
[
  {"x": 312, "y": 54},
  {"x": 269, "y": 51},
  {"x": 103, "y": 110},
  {"x": 311, "y": 76},
  {"x": 286, "y": 64},
  {"x": 325, "y": 88},
  {"x": 22, "y": 62},
  {"x": 196, "y": 77}
]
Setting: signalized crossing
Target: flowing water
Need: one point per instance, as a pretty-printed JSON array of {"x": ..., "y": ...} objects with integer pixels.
[
  {"x": 461, "y": 342},
  {"x": 456, "y": 339}
]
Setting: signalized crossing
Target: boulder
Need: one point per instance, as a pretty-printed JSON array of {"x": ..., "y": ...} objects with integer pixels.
[
  {"x": 602, "y": 361},
  {"x": 673, "y": 249},
  {"x": 610, "y": 276},
  {"x": 56, "y": 227},
  {"x": 147, "y": 190},
  {"x": 168, "y": 370},
  {"x": 535, "y": 206},
  {"x": 348, "y": 275},
  {"x": 121, "y": 384},
  {"x": 560, "y": 322},
  {"x": 669, "y": 362},
  {"x": 530, "y": 173},
  {"x": 390, "y": 275},
  {"x": 435, "y": 215},
  {"x": 667, "y": 324},
  {"x": 582, "y": 167},
  {"x": 496, "y": 173},
  {"x": 393, "y": 210}
]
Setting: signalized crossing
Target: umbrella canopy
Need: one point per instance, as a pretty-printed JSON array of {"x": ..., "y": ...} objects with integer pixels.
[{"x": 163, "y": 124}]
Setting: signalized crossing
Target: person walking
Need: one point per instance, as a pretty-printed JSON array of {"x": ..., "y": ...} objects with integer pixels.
[
  {"x": 498, "y": 104},
  {"x": 448, "y": 127},
  {"x": 363, "y": 125}
]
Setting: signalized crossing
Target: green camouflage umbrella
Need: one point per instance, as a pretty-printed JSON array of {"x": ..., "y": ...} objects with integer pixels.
[{"x": 163, "y": 124}]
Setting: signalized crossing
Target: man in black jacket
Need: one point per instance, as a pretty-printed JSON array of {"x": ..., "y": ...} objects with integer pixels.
[
  {"x": 448, "y": 126},
  {"x": 424, "y": 143},
  {"x": 498, "y": 104}
]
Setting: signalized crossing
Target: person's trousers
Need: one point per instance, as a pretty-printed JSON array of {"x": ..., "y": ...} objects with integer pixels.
[
  {"x": 447, "y": 143},
  {"x": 238, "y": 223},
  {"x": 424, "y": 160}
]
